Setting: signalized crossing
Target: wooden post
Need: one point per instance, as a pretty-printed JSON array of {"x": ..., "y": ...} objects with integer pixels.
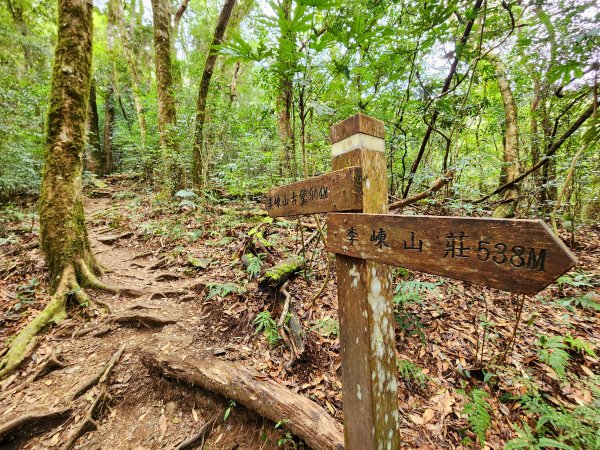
[{"x": 367, "y": 343}]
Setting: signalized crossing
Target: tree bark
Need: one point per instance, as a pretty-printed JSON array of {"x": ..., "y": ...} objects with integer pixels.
[
  {"x": 62, "y": 224},
  {"x": 106, "y": 165},
  {"x": 199, "y": 163},
  {"x": 283, "y": 104},
  {"x": 167, "y": 120},
  {"x": 93, "y": 150},
  {"x": 510, "y": 169},
  {"x": 130, "y": 58},
  {"x": 298, "y": 414}
]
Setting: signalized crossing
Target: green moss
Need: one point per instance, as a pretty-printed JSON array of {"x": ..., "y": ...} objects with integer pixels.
[{"x": 277, "y": 274}]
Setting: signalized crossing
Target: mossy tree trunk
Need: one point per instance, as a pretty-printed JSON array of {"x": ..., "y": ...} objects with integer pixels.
[
  {"x": 199, "y": 162},
  {"x": 109, "y": 124},
  {"x": 62, "y": 223},
  {"x": 284, "y": 99},
  {"x": 510, "y": 168},
  {"x": 167, "y": 120},
  {"x": 63, "y": 233}
]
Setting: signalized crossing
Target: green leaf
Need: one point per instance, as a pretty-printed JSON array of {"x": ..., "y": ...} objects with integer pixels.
[{"x": 478, "y": 416}]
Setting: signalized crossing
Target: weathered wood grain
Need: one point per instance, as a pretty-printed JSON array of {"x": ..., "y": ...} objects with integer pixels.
[
  {"x": 521, "y": 256},
  {"x": 334, "y": 191},
  {"x": 359, "y": 123},
  {"x": 367, "y": 342},
  {"x": 266, "y": 397}
]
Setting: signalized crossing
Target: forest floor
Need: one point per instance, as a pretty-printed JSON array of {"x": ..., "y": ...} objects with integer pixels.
[{"x": 451, "y": 337}]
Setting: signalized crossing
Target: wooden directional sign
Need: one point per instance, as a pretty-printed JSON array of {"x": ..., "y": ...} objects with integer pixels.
[
  {"x": 335, "y": 191},
  {"x": 520, "y": 256}
]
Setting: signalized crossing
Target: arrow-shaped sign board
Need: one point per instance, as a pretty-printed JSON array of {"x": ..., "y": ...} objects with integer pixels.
[
  {"x": 522, "y": 256},
  {"x": 335, "y": 191}
]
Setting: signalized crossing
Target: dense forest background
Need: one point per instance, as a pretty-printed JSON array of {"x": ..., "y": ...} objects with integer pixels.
[{"x": 478, "y": 91}]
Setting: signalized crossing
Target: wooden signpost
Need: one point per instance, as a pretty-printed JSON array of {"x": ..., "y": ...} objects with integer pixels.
[
  {"x": 336, "y": 191},
  {"x": 521, "y": 256},
  {"x": 515, "y": 255}
]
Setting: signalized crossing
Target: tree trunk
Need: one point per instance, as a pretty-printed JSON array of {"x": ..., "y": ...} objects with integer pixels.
[
  {"x": 16, "y": 10},
  {"x": 283, "y": 104},
  {"x": 126, "y": 37},
  {"x": 109, "y": 119},
  {"x": 199, "y": 163},
  {"x": 167, "y": 121},
  {"x": 93, "y": 154},
  {"x": 62, "y": 224},
  {"x": 63, "y": 233},
  {"x": 510, "y": 169}
]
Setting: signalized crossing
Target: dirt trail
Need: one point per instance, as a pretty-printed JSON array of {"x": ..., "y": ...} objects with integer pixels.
[{"x": 144, "y": 411}]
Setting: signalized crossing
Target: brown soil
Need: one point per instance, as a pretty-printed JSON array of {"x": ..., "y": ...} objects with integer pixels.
[{"x": 147, "y": 412}]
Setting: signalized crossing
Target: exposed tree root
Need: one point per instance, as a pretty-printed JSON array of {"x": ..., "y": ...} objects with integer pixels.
[
  {"x": 54, "y": 312},
  {"x": 266, "y": 397},
  {"x": 98, "y": 403},
  {"x": 89, "y": 279},
  {"x": 52, "y": 363},
  {"x": 148, "y": 320},
  {"x": 111, "y": 239},
  {"x": 201, "y": 433},
  {"x": 33, "y": 422},
  {"x": 73, "y": 278}
]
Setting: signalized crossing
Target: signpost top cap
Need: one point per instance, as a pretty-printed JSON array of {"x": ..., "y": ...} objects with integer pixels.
[{"x": 358, "y": 123}]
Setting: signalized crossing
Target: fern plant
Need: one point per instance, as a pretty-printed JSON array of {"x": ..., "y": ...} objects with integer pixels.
[
  {"x": 326, "y": 327},
  {"x": 585, "y": 302},
  {"x": 580, "y": 345},
  {"x": 222, "y": 290},
  {"x": 254, "y": 264},
  {"x": 477, "y": 411},
  {"x": 266, "y": 324},
  {"x": 558, "y": 427},
  {"x": 411, "y": 373},
  {"x": 552, "y": 350},
  {"x": 409, "y": 292}
]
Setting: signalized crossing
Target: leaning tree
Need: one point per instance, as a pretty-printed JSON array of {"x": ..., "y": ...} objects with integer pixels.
[{"x": 63, "y": 232}]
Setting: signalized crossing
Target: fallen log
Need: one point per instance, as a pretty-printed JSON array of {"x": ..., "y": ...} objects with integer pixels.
[
  {"x": 298, "y": 414},
  {"x": 278, "y": 274}
]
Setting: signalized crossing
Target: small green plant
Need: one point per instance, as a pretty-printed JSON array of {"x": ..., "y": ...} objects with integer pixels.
[
  {"x": 406, "y": 293},
  {"x": 411, "y": 291},
  {"x": 288, "y": 438},
  {"x": 26, "y": 294},
  {"x": 477, "y": 411},
  {"x": 232, "y": 404},
  {"x": 558, "y": 427},
  {"x": 585, "y": 302},
  {"x": 266, "y": 324},
  {"x": 255, "y": 263},
  {"x": 552, "y": 350},
  {"x": 222, "y": 290},
  {"x": 580, "y": 345},
  {"x": 326, "y": 327},
  {"x": 411, "y": 373},
  {"x": 578, "y": 280}
]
